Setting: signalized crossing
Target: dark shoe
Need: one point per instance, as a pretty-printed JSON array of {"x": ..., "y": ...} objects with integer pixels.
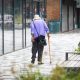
[{"x": 39, "y": 63}]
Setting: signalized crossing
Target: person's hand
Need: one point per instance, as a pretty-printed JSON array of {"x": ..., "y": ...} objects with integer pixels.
[{"x": 32, "y": 39}]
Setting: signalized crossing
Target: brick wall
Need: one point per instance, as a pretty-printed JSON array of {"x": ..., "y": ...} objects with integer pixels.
[{"x": 53, "y": 9}]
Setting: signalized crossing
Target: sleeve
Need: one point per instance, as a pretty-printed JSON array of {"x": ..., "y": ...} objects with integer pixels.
[
  {"x": 32, "y": 28},
  {"x": 46, "y": 27}
]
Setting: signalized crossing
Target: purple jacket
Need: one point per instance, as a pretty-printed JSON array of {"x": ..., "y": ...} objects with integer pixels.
[{"x": 41, "y": 27}]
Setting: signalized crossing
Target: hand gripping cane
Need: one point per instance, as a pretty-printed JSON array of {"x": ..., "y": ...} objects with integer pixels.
[{"x": 49, "y": 49}]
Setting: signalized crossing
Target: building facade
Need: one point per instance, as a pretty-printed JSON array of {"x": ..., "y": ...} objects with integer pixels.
[
  {"x": 15, "y": 17},
  {"x": 64, "y": 14}
]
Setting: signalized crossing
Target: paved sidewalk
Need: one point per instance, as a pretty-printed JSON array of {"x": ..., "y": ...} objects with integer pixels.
[{"x": 60, "y": 43}]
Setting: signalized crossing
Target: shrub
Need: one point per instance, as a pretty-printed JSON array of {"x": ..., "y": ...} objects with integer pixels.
[
  {"x": 59, "y": 73},
  {"x": 78, "y": 48},
  {"x": 30, "y": 75}
]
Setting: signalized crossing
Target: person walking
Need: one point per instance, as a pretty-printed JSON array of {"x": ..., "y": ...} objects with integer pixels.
[{"x": 38, "y": 27}]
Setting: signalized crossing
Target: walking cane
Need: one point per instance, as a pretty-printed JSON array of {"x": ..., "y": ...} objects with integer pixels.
[{"x": 49, "y": 49}]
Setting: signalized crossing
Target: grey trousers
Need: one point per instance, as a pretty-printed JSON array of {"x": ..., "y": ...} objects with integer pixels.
[{"x": 36, "y": 48}]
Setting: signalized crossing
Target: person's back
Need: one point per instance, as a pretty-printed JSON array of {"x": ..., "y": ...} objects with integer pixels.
[{"x": 38, "y": 27}]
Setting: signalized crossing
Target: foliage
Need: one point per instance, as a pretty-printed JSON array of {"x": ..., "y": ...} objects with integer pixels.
[
  {"x": 30, "y": 75},
  {"x": 59, "y": 73},
  {"x": 78, "y": 48}
]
